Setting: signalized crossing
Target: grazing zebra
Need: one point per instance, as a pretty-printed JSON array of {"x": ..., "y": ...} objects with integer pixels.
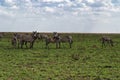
[
  {"x": 14, "y": 41},
  {"x": 49, "y": 40},
  {"x": 26, "y": 38},
  {"x": 54, "y": 39},
  {"x": 58, "y": 40},
  {"x": 1, "y": 35},
  {"x": 106, "y": 40},
  {"x": 66, "y": 39},
  {"x": 42, "y": 36}
]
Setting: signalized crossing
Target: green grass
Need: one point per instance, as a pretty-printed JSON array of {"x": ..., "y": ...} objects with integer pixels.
[{"x": 86, "y": 60}]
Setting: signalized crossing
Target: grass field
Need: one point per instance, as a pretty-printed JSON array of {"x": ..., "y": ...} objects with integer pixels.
[{"x": 86, "y": 60}]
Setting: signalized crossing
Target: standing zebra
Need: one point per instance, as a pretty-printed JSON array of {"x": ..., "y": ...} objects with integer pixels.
[
  {"x": 68, "y": 39},
  {"x": 1, "y": 35},
  {"x": 42, "y": 37},
  {"x": 14, "y": 41},
  {"x": 54, "y": 39},
  {"x": 23, "y": 39},
  {"x": 28, "y": 39},
  {"x": 106, "y": 40}
]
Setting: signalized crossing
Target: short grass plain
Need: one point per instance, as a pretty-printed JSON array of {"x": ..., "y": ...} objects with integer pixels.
[{"x": 86, "y": 60}]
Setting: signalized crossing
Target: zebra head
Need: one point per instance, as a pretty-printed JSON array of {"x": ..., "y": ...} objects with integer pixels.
[{"x": 34, "y": 34}]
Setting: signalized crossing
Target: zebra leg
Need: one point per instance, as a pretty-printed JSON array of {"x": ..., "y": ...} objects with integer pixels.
[
  {"x": 59, "y": 45},
  {"x": 22, "y": 43},
  {"x": 15, "y": 44},
  {"x": 26, "y": 44},
  {"x": 103, "y": 43},
  {"x": 111, "y": 42},
  {"x": 56, "y": 44},
  {"x": 32, "y": 44},
  {"x": 70, "y": 43},
  {"x": 18, "y": 44},
  {"x": 47, "y": 45},
  {"x": 108, "y": 43}
]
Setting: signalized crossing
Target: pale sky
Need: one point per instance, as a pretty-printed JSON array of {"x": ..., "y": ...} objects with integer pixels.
[{"x": 89, "y": 16}]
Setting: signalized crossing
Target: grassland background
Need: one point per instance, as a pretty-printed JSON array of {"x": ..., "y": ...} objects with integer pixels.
[{"x": 86, "y": 60}]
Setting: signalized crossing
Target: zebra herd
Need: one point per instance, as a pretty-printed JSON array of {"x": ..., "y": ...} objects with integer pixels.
[{"x": 19, "y": 40}]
